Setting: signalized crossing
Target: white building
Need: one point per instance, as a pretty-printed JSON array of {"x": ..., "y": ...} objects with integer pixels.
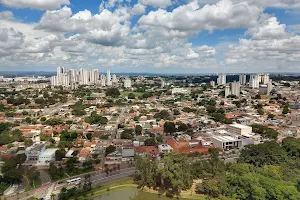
[
  {"x": 269, "y": 87},
  {"x": 108, "y": 77},
  {"x": 180, "y": 91},
  {"x": 243, "y": 79},
  {"x": 212, "y": 83},
  {"x": 165, "y": 148},
  {"x": 114, "y": 79},
  {"x": 47, "y": 156},
  {"x": 239, "y": 129},
  {"x": 68, "y": 78},
  {"x": 227, "y": 91},
  {"x": 265, "y": 78},
  {"x": 127, "y": 83},
  {"x": 236, "y": 88},
  {"x": 221, "y": 80},
  {"x": 254, "y": 81},
  {"x": 226, "y": 142}
]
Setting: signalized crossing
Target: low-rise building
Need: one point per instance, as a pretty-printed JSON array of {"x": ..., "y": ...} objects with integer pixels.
[
  {"x": 32, "y": 153},
  {"x": 165, "y": 148},
  {"x": 47, "y": 156},
  {"x": 226, "y": 142},
  {"x": 239, "y": 129}
]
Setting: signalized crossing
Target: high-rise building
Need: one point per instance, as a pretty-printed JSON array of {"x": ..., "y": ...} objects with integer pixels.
[
  {"x": 127, "y": 82},
  {"x": 269, "y": 87},
  {"x": 67, "y": 77},
  {"x": 162, "y": 84},
  {"x": 212, "y": 83},
  {"x": 227, "y": 91},
  {"x": 243, "y": 79},
  {"x": 236, "y": 88},
  {"x": 265, "y": 78},
  {"x": 254, "y": 81},
  {"x": 114, "y": 78},
  {"x": 108, "y": 78},
  {"x": 221, "y": 80}
]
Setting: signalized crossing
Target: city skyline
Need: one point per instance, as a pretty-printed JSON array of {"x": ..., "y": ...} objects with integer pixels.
[{"x": 151, "y": 36}]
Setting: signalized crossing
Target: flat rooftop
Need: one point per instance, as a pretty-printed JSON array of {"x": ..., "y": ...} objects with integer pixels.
[
  {"x": 241, "y": 126},
  {"x": 48, "y": 152},
  {"x": 225, "y": 138}
]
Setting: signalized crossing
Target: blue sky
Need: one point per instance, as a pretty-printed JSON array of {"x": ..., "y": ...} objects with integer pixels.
[{"x": 168, "y": 36}]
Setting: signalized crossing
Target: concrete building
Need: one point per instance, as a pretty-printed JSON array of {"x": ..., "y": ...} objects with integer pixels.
[
  {"x": 269, "y": 87},
  {"x": 114, "y": 79},
  {"x": 127, "y": 83},
  {"x": 254, "y": 81},
  {"x": 108, "y": 77},
  {"x": 180, "y": 91},
  {"x": 236, "y": 88},
  {"x": 212, "y": 83},
  {"x": 265, "y": 78},
  {"x": 243, "y": 79},
  {"x": 47, "y": 156},
  {"x": 226, "y": 142},
  {"x": 68, "y": 78},
  {"x": 165, "y": 148},
  {"x": 32, "y": 153},
  {"x": 227, "y": 91},
  {"x": 239, "y": 129},
  {"x": 221, "y": 80}
]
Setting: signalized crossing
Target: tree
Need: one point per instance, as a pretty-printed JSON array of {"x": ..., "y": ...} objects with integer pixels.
[
  {"x": 257, "y": 96},
  {"x": 164, "y": 114},
  {"x": 60, "y": 154},
  {"x": 268, "y": 153},
  {"x": 150, "y": 142},
  {"x": 127, "y": 134},
  {"x": 131, "y": 96},
  {"x": 146, "y": 172},
  {"x": 138, "y": 129},
  {"x": 285, "y": 110},
  {"x": 169, "y": 127},
  {"x": 175, "y": 175},
  {"x": 176, "y": 112},
  {"x": 28, "y": 142},
  {"x": 182, "y": 127},
  {"x": 113, "y": 92},
  {"x": 109, "y": 149}
]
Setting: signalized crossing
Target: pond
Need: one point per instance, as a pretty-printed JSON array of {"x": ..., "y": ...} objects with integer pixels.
[{"x": 131, "y": 194}]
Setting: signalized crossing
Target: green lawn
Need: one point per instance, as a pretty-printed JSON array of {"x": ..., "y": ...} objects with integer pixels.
[{"x": 137, "y": 94}]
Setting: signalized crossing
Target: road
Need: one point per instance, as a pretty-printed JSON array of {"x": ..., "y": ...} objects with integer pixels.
[
  {"x": 96, "y": 178},
  {"x": 118, "y": 121}
]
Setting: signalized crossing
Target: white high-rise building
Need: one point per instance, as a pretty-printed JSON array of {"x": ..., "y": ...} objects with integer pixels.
[
  {"x": 127, "y": 83},
  {"x": 102, "y": 80},
  {"x": 236, "y": 88},
  {"x": 212, "y": 83},
  {"x": 254, "y": 81},
  {"x": 269, "y": 87},
  {"x": 67, "y": 77},
  {"x": 162, "y": 84},
  {"x": 221, "y": 80},
  {"x": 108, "y": 78},
  {"x": 265, "y": 78},
  {"x": 243, "y": 79},
  {"x": 114, "y": 78},
  {"x": 227, "y": 91},
  {"x": 53, "y": 80}
]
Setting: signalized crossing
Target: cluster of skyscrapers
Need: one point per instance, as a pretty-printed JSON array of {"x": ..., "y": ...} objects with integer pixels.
[
  {"x": 257, "y": 81},
  {"x": 72, "y": 78}
]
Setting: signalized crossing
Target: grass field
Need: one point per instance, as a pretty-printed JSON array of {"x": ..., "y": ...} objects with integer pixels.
[{"x": 137, "y": 94}]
